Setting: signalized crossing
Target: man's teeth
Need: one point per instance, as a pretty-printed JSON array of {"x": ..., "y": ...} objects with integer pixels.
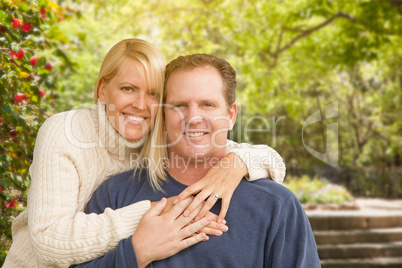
[
  {"x": 134, "y": 118},
  {"x": 194, "y": 134}
]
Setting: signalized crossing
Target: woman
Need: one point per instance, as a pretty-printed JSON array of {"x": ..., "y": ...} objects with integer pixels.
[{"x": 76, "y": 151}]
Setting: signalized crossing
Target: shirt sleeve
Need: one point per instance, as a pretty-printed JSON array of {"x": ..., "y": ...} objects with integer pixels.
[
  {"x": 59, "y": 233},
  {"x": 292, "y": 243},
  {"x": 261, "y": 160}
]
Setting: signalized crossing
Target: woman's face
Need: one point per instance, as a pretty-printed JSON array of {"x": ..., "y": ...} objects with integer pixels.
[{"x": 130, "y": 106}]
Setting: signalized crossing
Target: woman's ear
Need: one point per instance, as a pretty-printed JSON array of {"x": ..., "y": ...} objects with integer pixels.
[{"x": 102, "y": 91}]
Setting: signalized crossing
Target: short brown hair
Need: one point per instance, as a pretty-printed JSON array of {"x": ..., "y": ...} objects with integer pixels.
[{"x": 193, "y": 61}]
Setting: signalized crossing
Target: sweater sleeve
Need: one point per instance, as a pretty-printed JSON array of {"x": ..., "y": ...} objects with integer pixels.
[
  {"x": 261, "y": 160},
  {"x": 123, "y": 257},
  {"x": 60, "y": 234}
]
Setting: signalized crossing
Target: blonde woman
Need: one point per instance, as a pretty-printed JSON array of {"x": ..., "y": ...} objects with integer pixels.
[{"x": 76, "y": 151}]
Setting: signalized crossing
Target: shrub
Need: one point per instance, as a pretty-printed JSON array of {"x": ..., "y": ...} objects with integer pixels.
[{"x": 317, "y": 191}]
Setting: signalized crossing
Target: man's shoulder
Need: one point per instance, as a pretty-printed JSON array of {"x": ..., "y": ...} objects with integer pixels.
[
  {"x": 267, "y": 190},
  {"x": 125, "y": 178}
]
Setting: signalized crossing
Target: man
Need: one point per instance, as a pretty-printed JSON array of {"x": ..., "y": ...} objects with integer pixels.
[{"x": 268, "y": 227}]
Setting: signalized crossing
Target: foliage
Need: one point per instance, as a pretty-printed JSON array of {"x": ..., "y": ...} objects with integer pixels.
[
  {"x": 292, "y": 58},
  {"x": 28, "y": 54},
  {"x": 317, "y": 191}
]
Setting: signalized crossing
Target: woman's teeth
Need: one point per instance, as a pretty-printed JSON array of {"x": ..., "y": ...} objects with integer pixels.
[{"x": 134, "y": 118}]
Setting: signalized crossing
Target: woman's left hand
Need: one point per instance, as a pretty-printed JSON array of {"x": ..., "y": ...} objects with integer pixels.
[{"x": 222, "y": 180}]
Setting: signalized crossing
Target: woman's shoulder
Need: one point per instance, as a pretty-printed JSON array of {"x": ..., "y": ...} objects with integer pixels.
[{"x": 73, "y": 125}]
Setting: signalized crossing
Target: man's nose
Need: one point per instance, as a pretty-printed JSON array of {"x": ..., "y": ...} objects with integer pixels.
[{"x": 194, "y": 116}]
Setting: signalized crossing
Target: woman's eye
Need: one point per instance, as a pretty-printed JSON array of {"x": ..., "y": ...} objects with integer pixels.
[
  {"x": 178, "y": 106},
  {"x": 153, "y": 94},
  {"x": 128, "y": 89}
]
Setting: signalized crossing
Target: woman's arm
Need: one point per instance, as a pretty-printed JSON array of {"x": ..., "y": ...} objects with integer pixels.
[
  {"x": 242, "y": 160},
  {"x": 60, "y": 234}
]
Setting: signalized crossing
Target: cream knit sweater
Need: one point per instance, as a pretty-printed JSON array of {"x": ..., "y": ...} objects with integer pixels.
[{"x": 74, "y": 153}]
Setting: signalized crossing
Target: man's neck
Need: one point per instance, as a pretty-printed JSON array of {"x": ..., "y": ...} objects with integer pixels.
[{"x": 189, "y": 170}]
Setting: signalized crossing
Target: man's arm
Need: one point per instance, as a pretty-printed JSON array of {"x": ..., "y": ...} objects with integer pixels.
[{"x": 291, "y": 242}]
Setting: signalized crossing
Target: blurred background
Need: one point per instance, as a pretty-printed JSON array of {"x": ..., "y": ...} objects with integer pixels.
[{"x": 320, "y": 81}]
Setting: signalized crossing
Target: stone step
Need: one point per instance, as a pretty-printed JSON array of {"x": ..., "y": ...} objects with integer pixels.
[
  {"x": 358, "y": 236},
  {"x": 363, "y": 263},
  {"x": 335, "y": 221},
  {"x": 366, "y": 250}
]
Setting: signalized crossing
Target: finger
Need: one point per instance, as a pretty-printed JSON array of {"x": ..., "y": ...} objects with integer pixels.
[
  {"x": 211, "y": 231},
  {"x": 189, "y": 191},
  {"x": 192, "y": 240},
  {"x": 178, "y": 209},
  {"x": 194, "y": 227},
  {"x": 157, "y": 209},
  {"x": 207, "y": 207},
  {"x": 224, "y": 208},
  {"x": 184, "y": 220},
  {"x": 213, "y": 216},
  {"x": 199, "y": 198},
  {"x": 218, "y": 226}
]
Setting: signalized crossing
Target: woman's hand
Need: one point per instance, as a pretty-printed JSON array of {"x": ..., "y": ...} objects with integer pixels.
[
  {"x": 213, "y": 228},
  {"x": 161, "y": 236},
  {"x": 222, "y": 179}
]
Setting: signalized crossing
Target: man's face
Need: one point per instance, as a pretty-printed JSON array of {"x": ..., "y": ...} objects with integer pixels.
[{"x": 197, "y": 117}]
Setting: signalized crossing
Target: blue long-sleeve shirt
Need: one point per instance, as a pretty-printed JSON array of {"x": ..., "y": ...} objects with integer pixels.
[{"x": 267, "y": 227}]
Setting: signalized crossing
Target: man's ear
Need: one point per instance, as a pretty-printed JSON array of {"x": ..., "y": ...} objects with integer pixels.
[
  {"x": 232, "y": 115},
  {"x": 102, "y": 91}
]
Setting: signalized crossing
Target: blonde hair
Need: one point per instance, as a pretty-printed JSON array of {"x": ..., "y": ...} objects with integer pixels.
[{"x": 151, "y": 65}]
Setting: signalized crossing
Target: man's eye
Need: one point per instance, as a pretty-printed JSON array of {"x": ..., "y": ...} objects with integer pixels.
[
  {"x": 208, "y": 105},
  {"x": 179, "y": 105}
]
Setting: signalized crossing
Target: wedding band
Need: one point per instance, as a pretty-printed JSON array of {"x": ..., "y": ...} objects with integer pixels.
[{"x": 215, "y": 196}]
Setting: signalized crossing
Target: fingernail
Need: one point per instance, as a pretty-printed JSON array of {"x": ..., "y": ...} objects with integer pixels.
[
  {"x": 224, "y": 221},
  {"x": 186, "y": 213},
  {"x": 218, "y": 233},
  {"x": 197, "y": 218},
  {"x": 208, "y": 219},
  {"x": 176, "y": 201},
  {"x": 219, "y": 220},
  {"x": 224, "y": 228}
]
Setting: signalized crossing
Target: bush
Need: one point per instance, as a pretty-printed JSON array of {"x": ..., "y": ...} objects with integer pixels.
[
  {"x": 29, "y": 42},
  {"x": 317, "y": 191}
]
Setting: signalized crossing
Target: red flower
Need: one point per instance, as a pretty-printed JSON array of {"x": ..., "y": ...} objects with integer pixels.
[
  {"x": 26, "y": 27},
  {"x": 33, "y": 60},
  {"x": 1, "y": 189},
  {"x": 48, "y": 67},
  {"x": 16, "y": 23},
  {"x": 41, "y": 93},
  {"x": 2, "y": 29},
  {"x": 30, "y": 76},
  {"x": 1, "y": 121},
  {"x": 19, "y": 97},
  {"x": 13, "y": 133},
  {"x": 19, "y": 55},
  {"x": 12, "y": 204},
  {"x": 43, "y": 13}
]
